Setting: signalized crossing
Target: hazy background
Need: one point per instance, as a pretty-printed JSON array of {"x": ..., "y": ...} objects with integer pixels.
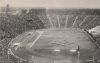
[{"x": 52, "y": 3}]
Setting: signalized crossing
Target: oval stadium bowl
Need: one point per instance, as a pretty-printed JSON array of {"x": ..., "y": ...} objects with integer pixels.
[
  {"x": 67, "y": 38},
  {"x": 69, "y": 45}
]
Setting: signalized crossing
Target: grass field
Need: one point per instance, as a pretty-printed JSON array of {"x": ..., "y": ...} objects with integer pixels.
[{"x": 52, "y": 39}]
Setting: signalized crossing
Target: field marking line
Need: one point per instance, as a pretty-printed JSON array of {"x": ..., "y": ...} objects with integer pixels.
[{"x": 37, "y": 38}]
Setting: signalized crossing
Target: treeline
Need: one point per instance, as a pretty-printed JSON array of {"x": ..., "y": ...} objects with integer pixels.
[{"x": 75, "y": 11}]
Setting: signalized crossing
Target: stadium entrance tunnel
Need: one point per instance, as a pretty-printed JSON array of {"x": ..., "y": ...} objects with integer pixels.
[{"x": 55, "y": 45}]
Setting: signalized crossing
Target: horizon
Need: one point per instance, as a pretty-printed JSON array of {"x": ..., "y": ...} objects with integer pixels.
[{"x": 81, "y": 4}]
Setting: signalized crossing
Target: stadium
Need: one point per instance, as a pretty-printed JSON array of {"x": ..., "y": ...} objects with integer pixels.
[
  {"x": 67, "y": 38},
  {"x": 49, "y": 35}
]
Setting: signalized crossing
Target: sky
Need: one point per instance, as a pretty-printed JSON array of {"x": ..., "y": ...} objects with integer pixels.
[{"x": 52, "y": 3}]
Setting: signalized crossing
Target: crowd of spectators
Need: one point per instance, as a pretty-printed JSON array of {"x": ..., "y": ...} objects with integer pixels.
[{"x": 13, "y": 25}]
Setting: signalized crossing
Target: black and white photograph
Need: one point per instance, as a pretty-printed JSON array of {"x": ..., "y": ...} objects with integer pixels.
[{"x": 49, "y": 31}]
